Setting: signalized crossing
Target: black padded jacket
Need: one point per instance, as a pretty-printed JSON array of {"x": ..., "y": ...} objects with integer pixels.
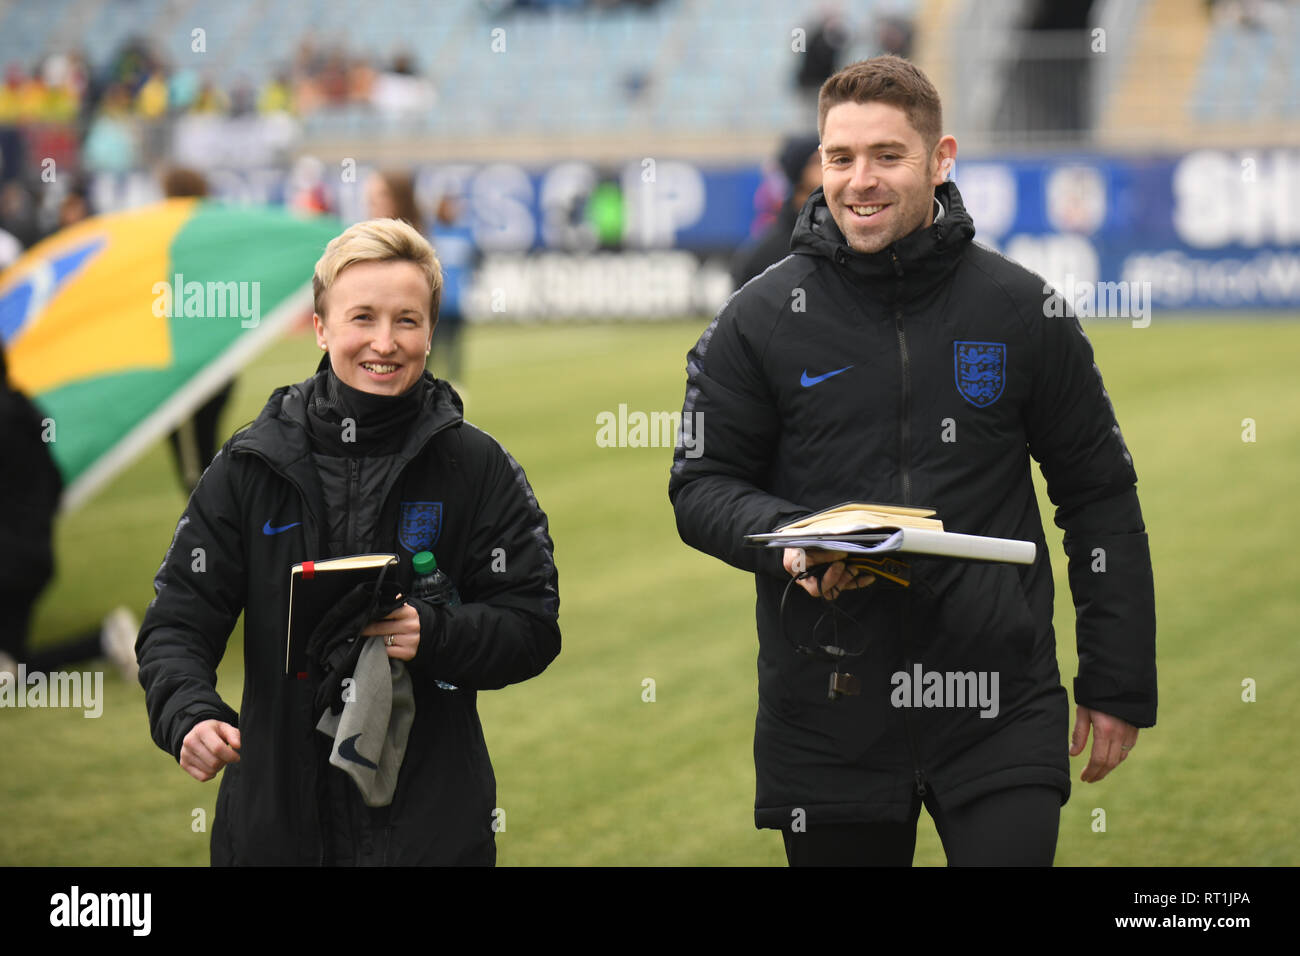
[
  {"x": 262, "y": 507},
  {"x": 926, "y": 374}
]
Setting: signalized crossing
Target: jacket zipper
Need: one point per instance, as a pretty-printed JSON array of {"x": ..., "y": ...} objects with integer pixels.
[
  {"x": 917, "y": 773},
  {"x": 905, "y": 411},
  {"x": 905, "y": 437},
  {"x": 307, "y": 512},
  {"x": 354, "y": 478},
  {"x": 904, "y": 461}
]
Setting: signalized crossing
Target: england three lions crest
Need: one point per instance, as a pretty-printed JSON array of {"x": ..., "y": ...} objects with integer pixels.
[
  {"x": 419, "y": 525},
  {"x": 981, "y": 371}
]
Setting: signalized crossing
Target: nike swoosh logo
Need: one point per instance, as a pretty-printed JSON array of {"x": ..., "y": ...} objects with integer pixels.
[
  {"x": 267, "y": 529},
  {"x": 807, "y": 381},
  {"x": 348, "y": 751}
]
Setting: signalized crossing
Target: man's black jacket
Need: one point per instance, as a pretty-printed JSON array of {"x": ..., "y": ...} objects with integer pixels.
[
  {"x": 924, "y": 374},
  {"x": 259, "y": 509}
]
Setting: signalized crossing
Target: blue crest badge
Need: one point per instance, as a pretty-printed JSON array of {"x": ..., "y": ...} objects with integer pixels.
[
  {"x": 981, "y": 371},
  {"x": 419, "y": 525}
]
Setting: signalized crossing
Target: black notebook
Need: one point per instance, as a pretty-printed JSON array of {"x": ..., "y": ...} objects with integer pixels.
[{"x": 314, "y": 587}]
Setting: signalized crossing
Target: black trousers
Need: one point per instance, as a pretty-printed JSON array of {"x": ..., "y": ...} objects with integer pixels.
[
  {"x": 14, "y": 620},
  {"x": 1016, "y": 827},
  {"x": 195, "y": 444}
]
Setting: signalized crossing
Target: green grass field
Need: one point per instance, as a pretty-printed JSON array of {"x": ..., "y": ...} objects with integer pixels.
[{"x": 588, "y": 773}]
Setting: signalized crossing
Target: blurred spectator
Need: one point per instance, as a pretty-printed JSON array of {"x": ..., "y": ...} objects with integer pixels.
[
  {"x": 110, "y": 142},
  {"x": 895, "y": 34},
  {"x": 18, "y": 214},
  {"x": 243, "y": 98},
  {"x": 194, "y": 444},
  {"x": 399, "y": 91},
  {"x": 332, "y": 78},
  {"x": 825, "y": 42},
  {"x": 306, "y": 188},
  {"x": 75, "y": 206},
  {"x": 391, "y": 195},
  {"x": 50, "y": 94},
  {"x": 181, "y": 181},
  {"x": 151, "y": 101},
  {"x": 30, "y": 485},
  {"x": 137, "y": 84},
  {"x": 800, "y": 162},
  {"x": 276, "y": 95},
  {"x": 1048, "y": 94},
  {"x": 1265, "y": 16},
  {"x": 210, "y": 99},
  {"x": 453, "y": 240},
  {"x": 183, "y": 89}
]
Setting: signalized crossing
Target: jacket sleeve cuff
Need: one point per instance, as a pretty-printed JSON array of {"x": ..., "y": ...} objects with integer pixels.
[
  {"x": 1136, "y": 709},
  {"x": 421, "y": 665},
  {"x": 191, "y": 719},
  {"x": 1115, "y": 625}
]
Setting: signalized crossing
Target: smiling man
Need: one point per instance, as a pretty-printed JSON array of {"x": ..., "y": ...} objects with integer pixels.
[{"x": 892, "y": 359}]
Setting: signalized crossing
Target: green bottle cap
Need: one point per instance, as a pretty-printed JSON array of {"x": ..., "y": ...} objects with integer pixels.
[{"x": 424, "y": 563}]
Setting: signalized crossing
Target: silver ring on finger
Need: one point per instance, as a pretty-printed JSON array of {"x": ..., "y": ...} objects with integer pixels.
[{"x": 390, "y": 640}]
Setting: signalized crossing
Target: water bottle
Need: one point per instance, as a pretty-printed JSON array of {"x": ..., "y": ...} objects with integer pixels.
[{"x": 434, "y": 586}]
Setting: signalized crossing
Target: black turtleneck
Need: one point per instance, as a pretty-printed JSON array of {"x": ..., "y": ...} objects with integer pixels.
[{"x": 379, "y": 423}]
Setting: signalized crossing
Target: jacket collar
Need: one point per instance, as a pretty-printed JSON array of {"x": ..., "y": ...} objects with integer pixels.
[
  {"x": 280, "y": 436},
  {"x": 910, "y": 265}
]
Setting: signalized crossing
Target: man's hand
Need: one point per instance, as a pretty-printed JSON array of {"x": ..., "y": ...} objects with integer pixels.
[
  {"x": 403, "y": 626},
  {"x": 838, "y": 578},
  {"x": 209, "y": 746},
  {"x": 1112, "y": 739}
]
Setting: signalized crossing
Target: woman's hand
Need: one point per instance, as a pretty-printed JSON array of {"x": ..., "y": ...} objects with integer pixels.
[
  {"x": 403, "y": 626},
  {"x": 209, "y": 746}
]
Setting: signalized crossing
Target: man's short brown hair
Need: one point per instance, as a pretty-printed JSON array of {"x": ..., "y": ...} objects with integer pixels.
[{"x": 886, "y": 79}]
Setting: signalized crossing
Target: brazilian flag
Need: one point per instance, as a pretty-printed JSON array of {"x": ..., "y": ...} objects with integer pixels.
[{"x": 121, "y": 326}]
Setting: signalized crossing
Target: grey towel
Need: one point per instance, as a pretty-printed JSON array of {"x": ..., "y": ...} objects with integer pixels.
[{"x": 370, "y": 734}]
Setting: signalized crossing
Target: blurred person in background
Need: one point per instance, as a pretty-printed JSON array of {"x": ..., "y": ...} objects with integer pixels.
[
  {"x": 454, "y": 239},
  {"x": 75, "y": 205},
  {"x": 370, "y": 454},
  {"x": 110, "y": 143},
  {"x": 306, "y": 191},
  {"x": 194, "y": 444},
  {"x": 30, "y": 485},
  {"x": 391, "y": 195},
  {"x": 895, "y": 34},
  {"x": 800, "y": 162},
  {"x": 400, "y": 91},
  {"x": 826, "y": 42},
  {"x": 276, "y": 94},
  {"x": 18, "y": 213}
]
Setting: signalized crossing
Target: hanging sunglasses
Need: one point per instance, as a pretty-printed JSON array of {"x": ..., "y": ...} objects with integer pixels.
[{"x": 838, "y": 636}]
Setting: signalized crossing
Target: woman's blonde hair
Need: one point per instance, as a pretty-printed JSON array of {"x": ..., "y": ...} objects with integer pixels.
[{"x": 377, "y": 240}]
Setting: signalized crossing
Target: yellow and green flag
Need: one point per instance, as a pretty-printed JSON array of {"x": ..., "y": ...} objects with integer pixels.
[{"x": 121, "y": 326}]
